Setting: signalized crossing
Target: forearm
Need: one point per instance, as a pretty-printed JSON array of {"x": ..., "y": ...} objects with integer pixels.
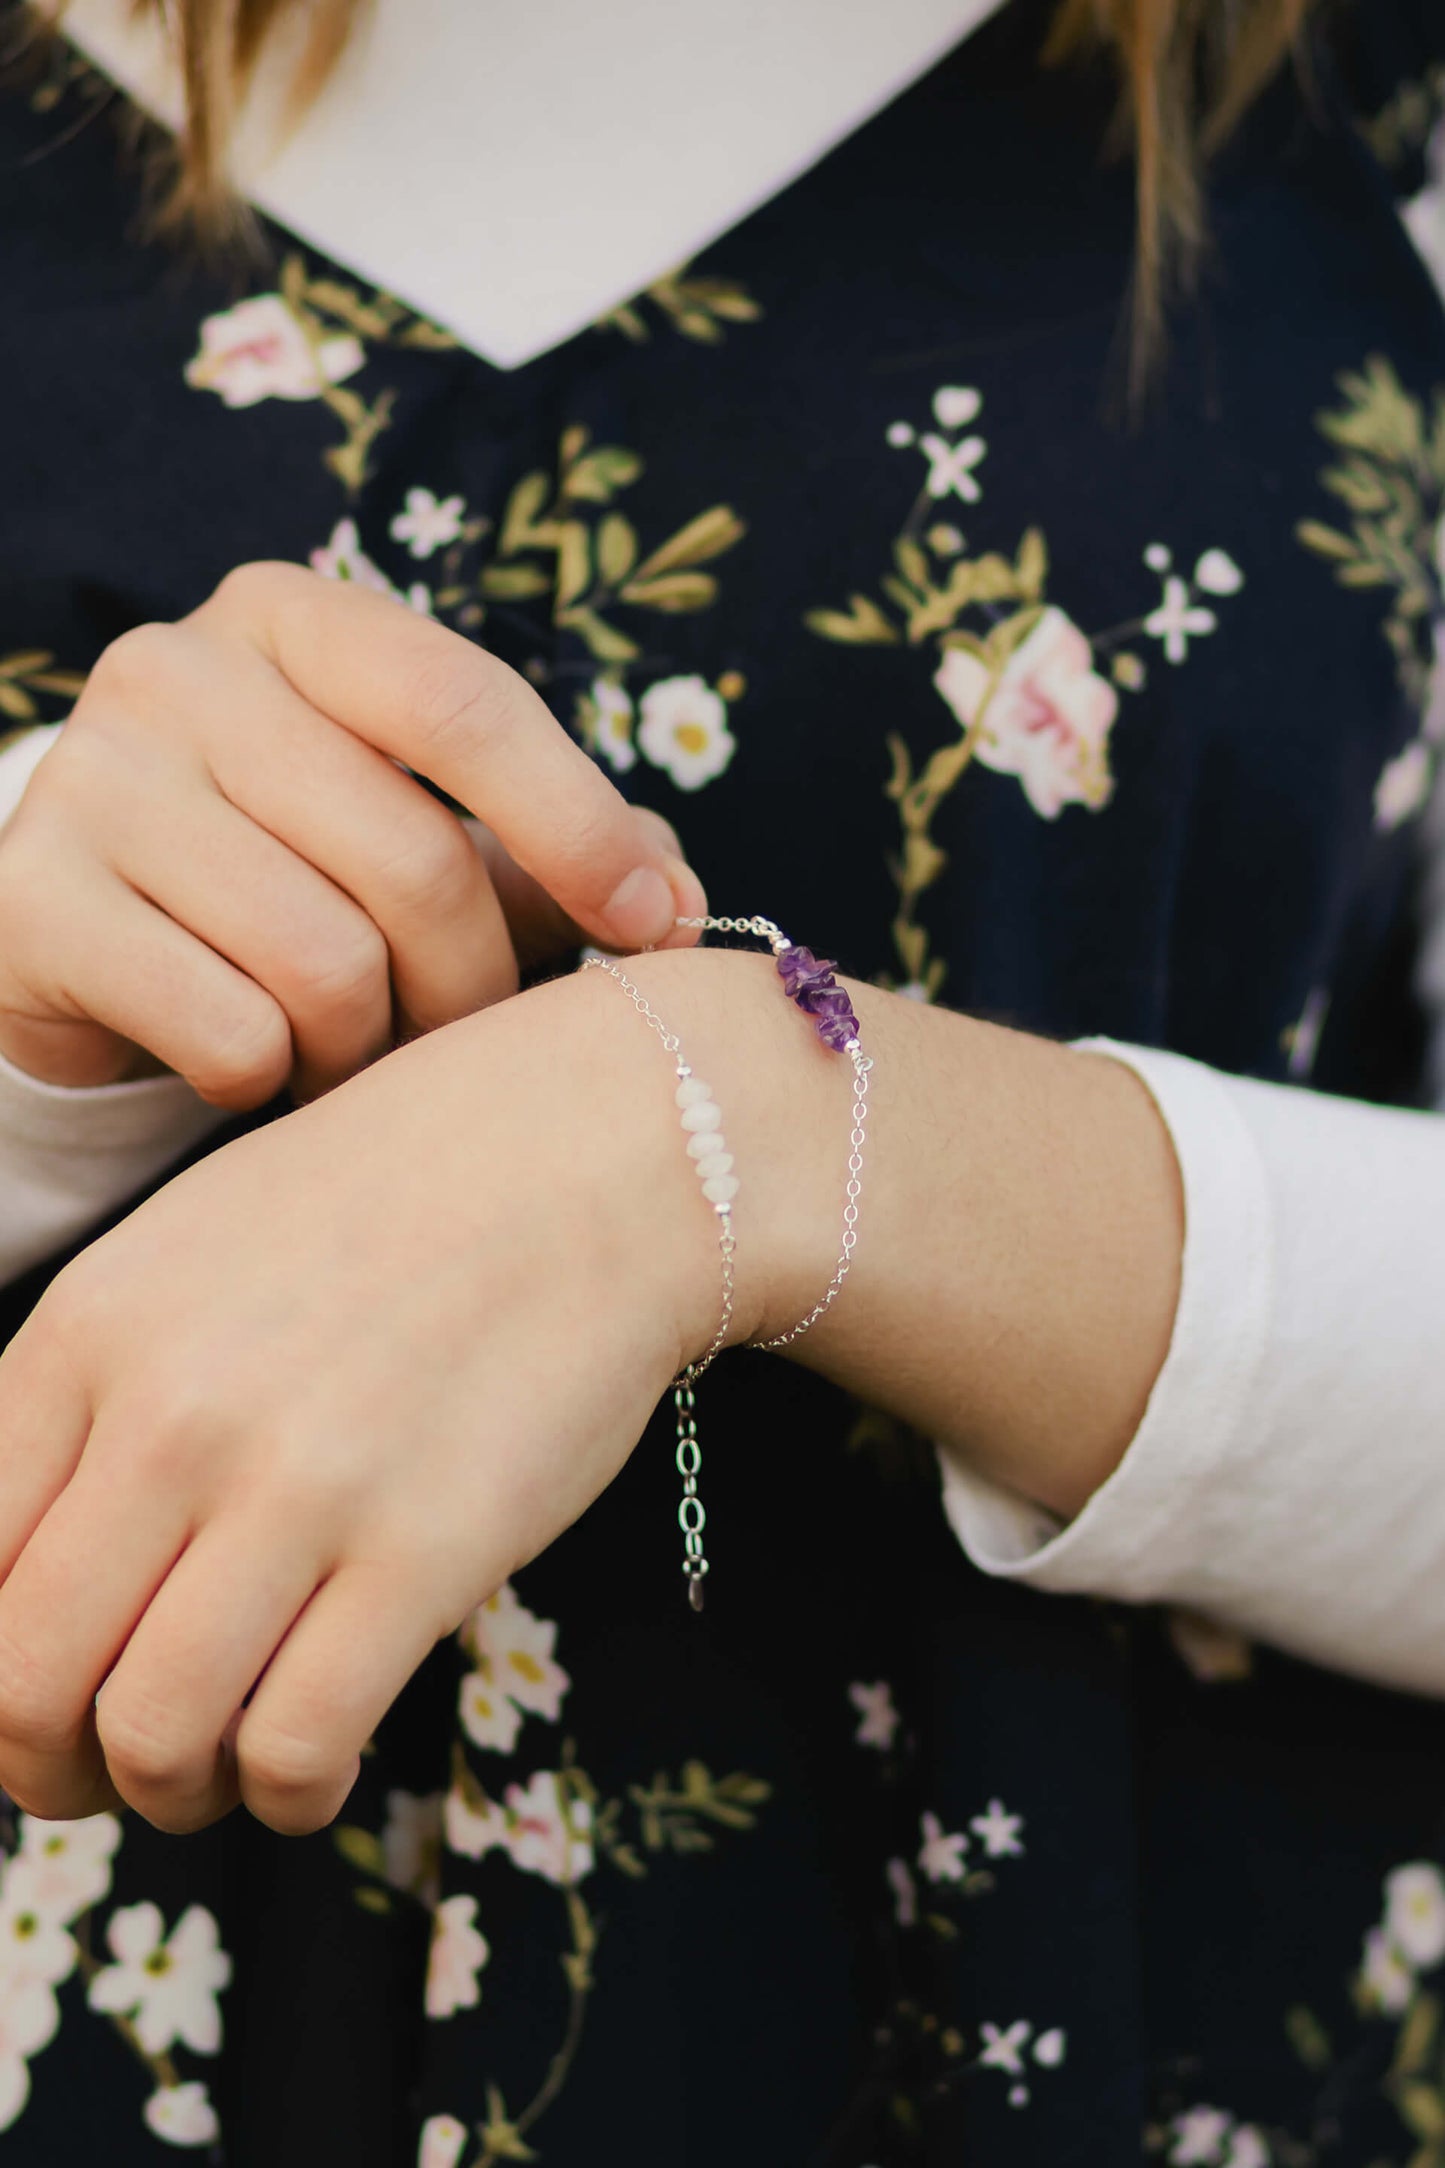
[{"x": 1017, "y": 1266}]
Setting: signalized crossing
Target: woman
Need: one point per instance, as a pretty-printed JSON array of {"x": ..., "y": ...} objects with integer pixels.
[{"x": 832, "y": 554}]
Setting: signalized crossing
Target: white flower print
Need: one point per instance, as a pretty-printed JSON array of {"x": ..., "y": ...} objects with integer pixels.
[
  {"x": 956, "y": 405},
  {"x": 428, "y": 522},
  {"x": 488, "y": 1717},
  {"x": 458, "y": 1953},
  {"x": 411, "y": 1843},
  {"x": 998, "y": 1831},
  {"x": 516, "y": 1670},
  {"x": 15, "y": 2083},
  {"x": 166, "y": 1986},
  {"x": 69, "y": 1862},
  {"x": 1218, "y": 574},
  {"x": 950, "y": 466},
  {"x": 1403, "y": 786},
  {"x": 1386, "y": 1981},
  {"x": 905, "y": 1892},
  {"x": 940, "y": 1856},
  {"x": 442, "y": 2141},
  {"x": 183, "y": 2114},
  {"x": 1179, "y": 619},
  {"x": 1415, "y": 1913},
  {"x": 29, "y": 2020},
  {"x": 472, "y": 1831},
  {"x": 343, "y": 558},
  {"x": 880, "y": 1719},
  {"x": 684, "y": 731},
  {"x": 607, "y": 724},
  {"x": 548, "y": 1834},
  {"x": 1199, "y": 2137},
  {"x": 1004, "y": 2046},
  {"x": 950, "y": 463},
  {"x": 1247, "y": 2149},
  {"x": 1048, "y": 715},
  {"x": 1050, "y": 2046},
  {"x": 34, "y": 1949},
  {"x": 516, "y": 1647},
  {"x": 258, "y": 350}
]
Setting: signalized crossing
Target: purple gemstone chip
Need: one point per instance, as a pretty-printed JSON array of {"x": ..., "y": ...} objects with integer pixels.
[{"x": 808, "y": 980}]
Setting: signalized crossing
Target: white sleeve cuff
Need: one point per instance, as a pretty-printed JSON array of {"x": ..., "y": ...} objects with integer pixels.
[
  {"x": 69, "y": 1157},
  {"x": 1127, "y": 1539},
  {"x": 1288, "y": 1478}
]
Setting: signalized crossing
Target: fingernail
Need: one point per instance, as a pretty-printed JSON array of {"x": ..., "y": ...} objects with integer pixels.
[
  {"x": 640, "y": 911},
  {"x": 687, "y": 890}
]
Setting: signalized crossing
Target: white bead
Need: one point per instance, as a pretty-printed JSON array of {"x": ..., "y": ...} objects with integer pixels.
[
  {"x": 715, "y": 1163},
  {"x": 692, "y": 1092},
  {"x": 707, "y": 1114},
  {"x": 705, "y": 1143},
  {"x": 721, "y": 1189}
]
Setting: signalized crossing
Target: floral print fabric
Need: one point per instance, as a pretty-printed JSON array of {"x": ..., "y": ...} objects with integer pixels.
[{"x": 831, "y": 549}]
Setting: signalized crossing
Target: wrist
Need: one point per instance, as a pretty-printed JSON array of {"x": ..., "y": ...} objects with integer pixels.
[{"x": 785, "y": 1104}]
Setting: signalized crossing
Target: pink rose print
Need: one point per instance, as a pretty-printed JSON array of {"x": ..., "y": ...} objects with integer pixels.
[
  {"x": 258, "y": 350},
  {"x": 1048, "y": 718}
]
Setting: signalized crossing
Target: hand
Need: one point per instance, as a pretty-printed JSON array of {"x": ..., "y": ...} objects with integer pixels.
[
  {"x": 221, "y": 865},
  {"x": 321, "y": 1395}
]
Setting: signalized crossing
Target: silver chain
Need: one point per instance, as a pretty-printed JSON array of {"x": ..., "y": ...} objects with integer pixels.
[
  {"x": 862, "y": 1063},
  {"x": 766, "y": 930},
  {"x": 692, "y": 1513}
]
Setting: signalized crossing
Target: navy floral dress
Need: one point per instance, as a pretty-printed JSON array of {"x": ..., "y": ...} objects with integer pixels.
[{"x": 837, "y": 547}]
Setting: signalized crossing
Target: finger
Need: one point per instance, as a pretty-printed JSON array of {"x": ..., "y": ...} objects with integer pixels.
[
  {"x": 541, "y": 930},
  {"x": 455, "y": 714},
  {"x": 271, "y": 914},
  {"x": 368, "y": 826},
  {"x": 329, "y": 1685},
  {"x": 168, "y": 1711},
  {"x": 71, "y": 1601},
  {"x": 45, "y": 1419},
  {"x": 127, "y": 965}
]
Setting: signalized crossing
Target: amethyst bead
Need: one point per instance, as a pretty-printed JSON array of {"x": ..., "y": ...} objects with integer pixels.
[
  {"x": 801, "y": 971},
  {"x": 808, "y": 980},
  {"x": 833, "y": 1014}
]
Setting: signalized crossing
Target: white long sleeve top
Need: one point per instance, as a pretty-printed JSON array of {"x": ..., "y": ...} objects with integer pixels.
[{"x": 1288, "y": 1478}]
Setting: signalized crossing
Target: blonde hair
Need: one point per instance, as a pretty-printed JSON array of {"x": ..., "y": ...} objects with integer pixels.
[{"x": 1187, "y": 69}]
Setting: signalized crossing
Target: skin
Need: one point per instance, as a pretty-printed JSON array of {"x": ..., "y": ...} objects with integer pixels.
[
  {"x": 220, "y": 868},
  {"x": 245, "y": 1480}
]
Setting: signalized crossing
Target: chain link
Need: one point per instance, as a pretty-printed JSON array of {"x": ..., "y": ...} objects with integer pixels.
[
  {"x": 766, "y": 930},
  {"x": 691, "y": 1513},
  {"x": 862, "y": 1063}
]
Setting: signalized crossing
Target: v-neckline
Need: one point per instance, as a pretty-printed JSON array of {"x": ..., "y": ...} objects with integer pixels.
[{"x": 394, "y": 176}]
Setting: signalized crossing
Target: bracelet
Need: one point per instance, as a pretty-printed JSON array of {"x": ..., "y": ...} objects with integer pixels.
[
  {"x": 809, "y": 982},
  {"x": 701, "y": 1117}
]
